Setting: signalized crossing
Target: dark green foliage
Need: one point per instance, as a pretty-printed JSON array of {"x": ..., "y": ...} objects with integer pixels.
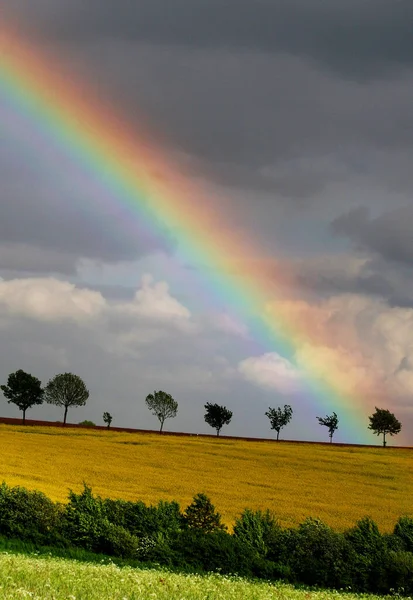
[
  {"x": 23, "y": 390},
  {"x": 383, "y": 422},
  {"x": 117, "y": 541},
  {"x": 331, "y": 422},
  {"x": 279, "y": 417},
  {"x": 201, "y": 515},
  {"x": 87, "y": 423},
  {"x": 141, "y": 520},
  {"x": 84, "y": 522},
  {"x": 217, "y": 551},
  {"x": 162, "y": 405},
  {"x": 398, "y": 567},
  {"x": 28, "y": 515},
  {"x": 107, "y": 418},
  {"x": 321, "y": 556},
  {"x": 217, "y": 416},
  {"x": 66, "y": 390},
  {"x": 371, "y": 549},
  {"x": 313, "y": 554},
  {"x": 256, "y": 529},
  {"x": 404, "y": 531},
  {"x": 281, "y": 544}
]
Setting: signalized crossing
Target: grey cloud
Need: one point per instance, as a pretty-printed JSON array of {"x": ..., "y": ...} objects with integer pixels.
[
  {"x": 250, "y": 109},
  {"x": 389, "y": 235},
  {"x": 357, "y": 38},
  {"x": 18, "y": 258},
  {"x": 50, "y": 220}
]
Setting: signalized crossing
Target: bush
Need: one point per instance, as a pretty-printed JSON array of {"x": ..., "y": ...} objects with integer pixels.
[
  {"x": 166, "y": 518},
  {"x": 144, "y": 521},
  {"x": 256, "y": 528},
  {"x": 404, "y": 531},
  {"x": 201, "y": 515},
  {"x": 28, "y": 515},
  {"x": 321, "y": 556},
  {"x": 84, "y": 521},
  {"x": 117, "y": 541},
  {"x": 88, "y": 423},
  {"x": 136, "y": 517},
  {"x": 371, "y": 550},
  {"x": 216, "y": 551},
  {"x": 398, "y": 567}
]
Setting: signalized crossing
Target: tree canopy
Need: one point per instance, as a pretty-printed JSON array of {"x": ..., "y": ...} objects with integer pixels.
[
  {"x": 66, "y": 390},
  {"x": 279, "y": 417},
  {"x": 330, "y": 421},
  {"x": 383, "y": 422},
  {"x": 23, "y": 390},
  {"x": 217, "y": 416},
  {"x": 162, "y": 406},
  {"x": 107, "y": 418}
]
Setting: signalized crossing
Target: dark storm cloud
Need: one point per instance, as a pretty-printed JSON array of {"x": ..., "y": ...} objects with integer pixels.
[
  {"x": 238, "y": 89},
  {"x": 354, "y": 36},
  {"x": 47, "y": 222},
  {"x": 389, "y": 235}
]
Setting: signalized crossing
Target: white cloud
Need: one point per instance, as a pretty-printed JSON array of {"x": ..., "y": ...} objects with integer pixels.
[
  {"x": 154, "y": 301},
  {"x": 49, "y": 299},
  {"x": 359, "y": 343},
  {"x": 271, "y": 371}
]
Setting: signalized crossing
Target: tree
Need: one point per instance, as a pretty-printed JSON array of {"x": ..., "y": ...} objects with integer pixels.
[
  {"x": 217, "y": 416},
  {"x": 66, "y": 390},
  {"x": 23, "y": 390},
  {"x": 162, "y": 405},
  {"x": 279, "y": 417},
  {"x": 201, "y": 515},
  {"x": 330, "y": 421},
  {"x": 107, "y": 418},
  {"x": 383, "y": 422}
]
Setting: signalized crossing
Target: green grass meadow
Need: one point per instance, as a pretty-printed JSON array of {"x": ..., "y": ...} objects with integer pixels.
[{"x": 48, "y": 578}]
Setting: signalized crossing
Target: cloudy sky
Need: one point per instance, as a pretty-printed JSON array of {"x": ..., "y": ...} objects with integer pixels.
[{"x": 297, "y": 115}]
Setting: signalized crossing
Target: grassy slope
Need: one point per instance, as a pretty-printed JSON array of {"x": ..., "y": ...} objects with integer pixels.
[
  {"x": 336, "y": 484},
  {"x": 59, "y": 579}
]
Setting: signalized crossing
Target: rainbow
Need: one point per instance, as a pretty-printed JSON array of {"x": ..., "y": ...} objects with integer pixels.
[{"x": 142, "y": 184}]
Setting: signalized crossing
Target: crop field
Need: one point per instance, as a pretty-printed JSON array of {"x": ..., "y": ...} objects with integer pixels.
[
  {"x": 337, "y": 484},
  {"x": 59, "y": 579}
]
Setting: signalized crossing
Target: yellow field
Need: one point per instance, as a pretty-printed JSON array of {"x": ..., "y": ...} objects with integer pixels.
[{"x": 338, "y": 485}]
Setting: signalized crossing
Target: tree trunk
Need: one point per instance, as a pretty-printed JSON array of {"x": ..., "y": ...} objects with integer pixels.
[
  {"x": 331, "y": 438},
  {"x": 160, "y": 431},
  {"x": 384, "y": 439},
  {"x": 108, "y": 425},
  {"x": 278, "y": 434},
  {"x": 218, "y": 430},
  {"x": 24, "y": 416},
  {"x": 64, "y": 418}
]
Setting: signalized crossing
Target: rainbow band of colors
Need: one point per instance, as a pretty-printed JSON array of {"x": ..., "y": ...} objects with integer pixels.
[{"x": 142, "y": 182}]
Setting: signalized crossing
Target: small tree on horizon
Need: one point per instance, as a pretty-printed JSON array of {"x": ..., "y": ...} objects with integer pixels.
[
  {"x": 23, "y": 390},
  {"x": 382, "y": 422},
  {"x": 66, "y": 390},
  {"x": 217, "y": 416},
  {"x": 107, "y": 418},
  {"x": 330, "y": 421},
  {"x": 279, "y": 417},
  {"x": 162, "y": 406}
]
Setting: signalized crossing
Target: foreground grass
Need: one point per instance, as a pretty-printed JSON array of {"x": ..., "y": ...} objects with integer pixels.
[
  {"x": 336, "y": 484},
  {"x": 59, "y": 579}
]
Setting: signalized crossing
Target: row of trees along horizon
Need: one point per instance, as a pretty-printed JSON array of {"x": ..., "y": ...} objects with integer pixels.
[{"x": 67, "y": 390}]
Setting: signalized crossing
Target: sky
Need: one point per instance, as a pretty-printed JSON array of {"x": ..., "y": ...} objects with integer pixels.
[{"x": 295, "y": 119}]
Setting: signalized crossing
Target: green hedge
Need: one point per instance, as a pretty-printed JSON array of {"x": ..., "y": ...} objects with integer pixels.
[{"x": 361, "y": 558}]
